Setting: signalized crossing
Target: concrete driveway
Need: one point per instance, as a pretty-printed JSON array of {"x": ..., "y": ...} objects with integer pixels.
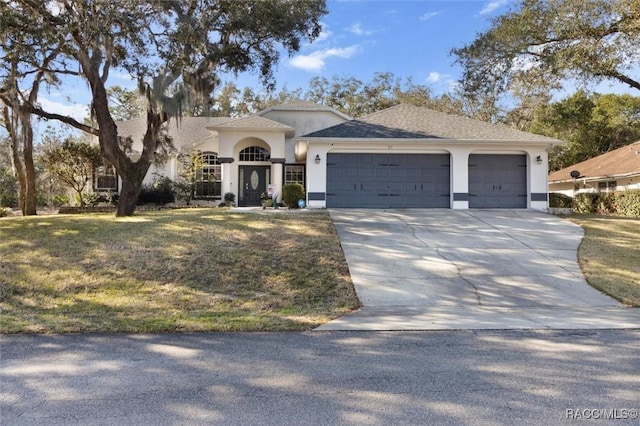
[{"x": 475, "y": 269}]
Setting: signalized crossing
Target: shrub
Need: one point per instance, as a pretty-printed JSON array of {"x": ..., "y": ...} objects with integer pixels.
[
  {"x": 291, "y": 193},
  {"x": 159, "y": 192},
  {"x": 108, "y": 197},
  {"x": 560, "y": 200},
  {"x": 91, "y": 199},
  {"x": 8, "y": 189},
  {"x": 59, "y": 200},
  {"x": 229, "y": 198},
  {"x": 627, "y": 203},
  {"x": 621, "y": 203},
  {"x": 4, "y": 211},
  {"x": 584, "y": 202},
  {"x": 605, "y": 203}
]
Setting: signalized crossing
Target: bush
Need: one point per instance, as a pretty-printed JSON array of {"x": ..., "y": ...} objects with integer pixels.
[
  {"x": 8, "y": 189},
  {"x": 59, "y": 200},
  {"x": 91, "y": 199},
  {"x": 585, "y": 202},
  {"x": 621, "y": 203},
  {"x": 560, "y": 200},
  {"x": 291, "y": 193},
  {"x": 627, "y": 203},
  {"x": 159, "y": 192},
  {"x": 4, "y": 211},
  {"x": 108, "y": 197},
  {"x": 229, "y": 198}
]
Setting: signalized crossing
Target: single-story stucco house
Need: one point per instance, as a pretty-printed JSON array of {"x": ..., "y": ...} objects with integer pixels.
[
  {"x": 617, "y": 170},
  {"x": 401, "y": 157}
]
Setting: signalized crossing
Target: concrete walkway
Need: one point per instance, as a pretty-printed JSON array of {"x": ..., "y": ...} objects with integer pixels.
[{"x": 475, "y": 269}]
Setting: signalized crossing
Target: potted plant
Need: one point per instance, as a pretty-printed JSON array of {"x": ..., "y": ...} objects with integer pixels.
[
  {"x": 229, "y": 199},
  {"x": 265, "y": 200}
]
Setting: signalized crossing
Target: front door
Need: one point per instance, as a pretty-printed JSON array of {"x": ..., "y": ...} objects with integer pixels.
[{"x": 254, "y": 180}]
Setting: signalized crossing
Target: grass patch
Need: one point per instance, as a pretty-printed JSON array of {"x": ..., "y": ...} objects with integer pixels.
[
  {"x": 172, "y": 270},
  {"x": 610, "y": 255}
]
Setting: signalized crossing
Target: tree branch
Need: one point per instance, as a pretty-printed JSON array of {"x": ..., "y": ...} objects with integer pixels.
[
  {"x": 623, "y": 78},
  {"x": 62, "y": 118}
]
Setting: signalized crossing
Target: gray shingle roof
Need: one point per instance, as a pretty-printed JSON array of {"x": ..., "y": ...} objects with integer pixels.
[
  {"x": 408, "y": 121},
  {"x": 252, "y": 122},
  {"x": 302, "y": 105},
  {"x": 187, "y": 130}
]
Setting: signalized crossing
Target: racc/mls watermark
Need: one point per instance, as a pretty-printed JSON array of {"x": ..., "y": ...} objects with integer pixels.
[{"x": 601, "y": 413}]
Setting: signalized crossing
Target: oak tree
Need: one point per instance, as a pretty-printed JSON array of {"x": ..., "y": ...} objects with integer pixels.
[
  {"x": 592, "y": 40},
  {"x": 165, "y": 44}
]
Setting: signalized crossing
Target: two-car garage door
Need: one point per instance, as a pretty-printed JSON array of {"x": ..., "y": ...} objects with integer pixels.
[
  {"x": 388, "y": 180},
  {"x": 423, "y": 180}
]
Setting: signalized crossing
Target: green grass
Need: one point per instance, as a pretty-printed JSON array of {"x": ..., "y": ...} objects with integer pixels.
[
  {"x": 610, "y": 255},
  {"x": 173, "y": 270}
]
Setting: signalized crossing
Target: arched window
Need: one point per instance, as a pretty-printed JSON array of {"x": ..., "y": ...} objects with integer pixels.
[
  {"x": 254, "y": 153},
  {"x": 209, "y": 177}
]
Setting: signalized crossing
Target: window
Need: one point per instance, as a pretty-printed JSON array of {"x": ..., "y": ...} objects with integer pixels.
[
  {"x": 609, "y": 186},
  {"x": 105, "y": 178},
  {"x": 209, "y": 177},
  {"x": 254, "y": 153},
  {"x": 294, "y": 174}
]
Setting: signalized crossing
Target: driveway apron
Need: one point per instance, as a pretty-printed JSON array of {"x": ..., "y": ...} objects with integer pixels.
[{"x": 422, "y": 269}]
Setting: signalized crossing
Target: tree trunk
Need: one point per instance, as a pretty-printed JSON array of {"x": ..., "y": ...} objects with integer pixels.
[
  {"x": 30, "y": 200},
  {"x": 131, "y": 173},
  {"x": 18, "y": 124},
  {"x": 131, "y": 186}
]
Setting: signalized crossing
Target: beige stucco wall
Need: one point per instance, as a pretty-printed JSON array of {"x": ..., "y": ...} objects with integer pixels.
[{"x": 304, "y": 122}]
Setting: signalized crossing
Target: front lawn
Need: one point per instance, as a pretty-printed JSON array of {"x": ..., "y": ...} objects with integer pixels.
[
  {"x": 173, "y": 270},
  {"x": 610, "y": 255}
]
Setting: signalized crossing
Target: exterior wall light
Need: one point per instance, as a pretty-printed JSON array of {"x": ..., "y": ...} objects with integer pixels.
[
  {"x": 539, "y": 159},
  {"x": 317, "y": 158}
]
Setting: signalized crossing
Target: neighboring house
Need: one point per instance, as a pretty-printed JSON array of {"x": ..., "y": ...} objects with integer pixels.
[
  {"x": 404, "y": 157},
  {"x": 617, "y": 170}
]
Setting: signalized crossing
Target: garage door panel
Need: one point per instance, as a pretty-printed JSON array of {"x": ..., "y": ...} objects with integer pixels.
[
  {"x": 497, "y": 181},
  {"x": 389, "y": 180}
]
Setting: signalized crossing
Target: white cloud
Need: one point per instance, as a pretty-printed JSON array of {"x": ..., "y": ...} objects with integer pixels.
[
  {"x": 434, "y": 77},
  {"x": 315, "y": 61},
  {"x": 76, "y": 111},
  {"x": 429, "y": 15},
  {"x": 493, "y": 5},
  {"x": 324, "y": 35},
  {"x": 441, "y": 83},
  {"x": 358, "y": 30}
]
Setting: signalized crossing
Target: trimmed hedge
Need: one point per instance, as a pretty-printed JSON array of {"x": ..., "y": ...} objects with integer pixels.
[
  {"x": 560, "y": 200},
  {"x": 620, "y": 203}
]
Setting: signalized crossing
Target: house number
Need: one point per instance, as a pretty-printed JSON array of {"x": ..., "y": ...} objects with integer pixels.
[{"x": 255, "y": 180}]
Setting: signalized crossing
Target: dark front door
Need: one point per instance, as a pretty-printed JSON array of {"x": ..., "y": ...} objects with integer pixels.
[{"x": 254, "y": 180}]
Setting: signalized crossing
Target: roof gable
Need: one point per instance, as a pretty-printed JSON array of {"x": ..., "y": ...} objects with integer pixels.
[
  {"x": 408, "y": 121},
  {"x": 301, "y": 105},
  {"x": 619, "y": 162}
]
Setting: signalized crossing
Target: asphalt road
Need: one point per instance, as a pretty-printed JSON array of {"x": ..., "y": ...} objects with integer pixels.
[{"x": 322, "y": 378}]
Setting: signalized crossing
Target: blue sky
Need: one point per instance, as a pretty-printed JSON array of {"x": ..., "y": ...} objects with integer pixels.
[
  {"x": 410, "y": 38},
  {"x": 407, "y": 38},
  {"x": 359, "y": 38}
]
